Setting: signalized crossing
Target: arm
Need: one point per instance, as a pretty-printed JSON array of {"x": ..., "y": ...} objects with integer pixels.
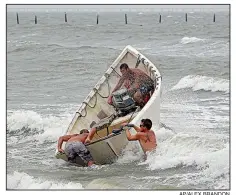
[
  {"x": 132, "y": 137},
  {"x": 131, "y": 125},
  {"x": 62, "y": 139},
  {"x": 137, "y": 128},
  {"x": 90, "y": 135},
  {"x": 118, "y": 86}
]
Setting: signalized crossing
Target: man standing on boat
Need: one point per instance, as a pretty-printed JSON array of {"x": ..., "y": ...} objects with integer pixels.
[
  {"x": 75, "y": 147},
  {"x": 144, "y": 135},
  {"x": 138, "y": 83}
]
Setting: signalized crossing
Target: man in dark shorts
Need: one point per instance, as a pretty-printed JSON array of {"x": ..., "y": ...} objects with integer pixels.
[
  {"x": 75, "y": 147},
  {"x": 138, "y": 83}
]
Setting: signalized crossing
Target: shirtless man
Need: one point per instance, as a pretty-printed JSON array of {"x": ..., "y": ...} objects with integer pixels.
[
  {"x": 138, "y": 83},
  {"x": 75, "y": 146},
  {"x": 144, "y": 135}
]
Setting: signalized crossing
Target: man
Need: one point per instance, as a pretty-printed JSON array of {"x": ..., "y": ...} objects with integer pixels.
[
  {"x": 75, "y": 147},
  {"x": 144, "y": 135},
  {"x": 138, "y": 83}
]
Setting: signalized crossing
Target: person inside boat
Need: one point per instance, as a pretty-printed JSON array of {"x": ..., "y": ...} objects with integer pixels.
[
  {"x": 144, "y": 135},
  {"x": 75, "y": 147},
  {"x": 138, "y": 83}
]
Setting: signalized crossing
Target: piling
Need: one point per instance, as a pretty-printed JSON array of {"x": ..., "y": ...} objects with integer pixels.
[
  {"x": 125, "y": 18},
  {"x": 97, "y": 18},
  {"x": 17, "y": 18},
  {"x": 214, "y": 18},
  {"x": 186, "y": 17},
  {"x": 160, "y": 19},
  {"x": 65, "y": 17},
  {"x": 35, "y": 20}
]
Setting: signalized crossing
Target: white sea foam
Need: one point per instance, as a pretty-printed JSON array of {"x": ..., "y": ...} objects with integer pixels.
[
  {"x": 103, "y": 183},
  {"x": 206, "y": 152},
  {"x": 29, "y": 35},
  {"x": 133, "y": 151},
  {"x": 26, "y": 43},
  {"x": 21, "y": 180},
  {"x": 199, "y": 82},
  {"x": 52, "y": 126},
  {"x": 186, "y": 40}
]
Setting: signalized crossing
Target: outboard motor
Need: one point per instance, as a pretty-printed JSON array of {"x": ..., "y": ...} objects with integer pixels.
[{"x": 123, "y": 102}]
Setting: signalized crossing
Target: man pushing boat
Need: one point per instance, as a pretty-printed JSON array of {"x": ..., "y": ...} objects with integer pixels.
[
  {"x": 75, "y": 147},
  {"x": 145, "y": 135}
]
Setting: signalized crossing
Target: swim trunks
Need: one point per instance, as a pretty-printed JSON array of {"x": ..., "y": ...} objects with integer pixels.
[
  {"x": 145, "y": 88},
  {"x": 73, "y": 149}
]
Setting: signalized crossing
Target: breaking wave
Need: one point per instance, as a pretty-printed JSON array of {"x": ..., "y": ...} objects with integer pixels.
[
  {"x": 199, "y": 82},
  {"x": 187, "y": 40},
  {"x": 23, "y": 124},
  {"x": 21, "y": 180},
  {"x": 207, "y": 154}
]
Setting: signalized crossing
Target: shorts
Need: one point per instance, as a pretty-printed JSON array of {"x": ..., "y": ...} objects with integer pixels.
[
  {"x": 146, "y": 88},
  {"x": 74, "y": 149}
]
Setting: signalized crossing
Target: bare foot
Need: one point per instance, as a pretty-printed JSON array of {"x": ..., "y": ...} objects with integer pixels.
[{"x": 90, "y": 163}]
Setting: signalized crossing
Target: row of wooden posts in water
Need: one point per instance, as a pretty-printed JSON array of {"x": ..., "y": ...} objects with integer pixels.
[{"x": 126, "y": 21}]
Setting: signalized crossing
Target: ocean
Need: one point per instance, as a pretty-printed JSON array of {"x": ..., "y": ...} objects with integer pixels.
[{"x": 53, "y": 65}]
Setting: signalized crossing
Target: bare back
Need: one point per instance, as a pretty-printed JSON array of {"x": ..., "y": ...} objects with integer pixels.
[
  {"x": 79, "y": 138},
  {"x": 140, "y": 77},
  {"x": 148, "y": 140}
]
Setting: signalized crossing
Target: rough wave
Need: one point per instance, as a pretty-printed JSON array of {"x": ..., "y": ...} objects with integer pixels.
[
  {"x": 20, "y": 46},
  {"x": 103, "y": 183},
  {"x": 133, "y": 151},
  {"x": 26, "y": 123},
  {"x": 209, "y": 155},
  {"x": 199, "y": 82},
  {"x": 21, "y": 180},
  {"x": 82, "y": 47},
  {"x": 187, "y": 40}
]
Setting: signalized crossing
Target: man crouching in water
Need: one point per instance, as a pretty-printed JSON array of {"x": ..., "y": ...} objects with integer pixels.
[
  {"x": 75, "y": 147},
  {"x": 144, "y": 135}
]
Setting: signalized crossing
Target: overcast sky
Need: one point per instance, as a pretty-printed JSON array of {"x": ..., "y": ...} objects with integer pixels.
[{"x": 114, "y": 7}]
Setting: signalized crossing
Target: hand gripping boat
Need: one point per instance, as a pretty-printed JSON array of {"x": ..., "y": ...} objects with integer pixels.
[{"x": 106, "y": 146}]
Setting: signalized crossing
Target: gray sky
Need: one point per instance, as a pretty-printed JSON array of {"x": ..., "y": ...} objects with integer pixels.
[{"x": 114, "y": 8}]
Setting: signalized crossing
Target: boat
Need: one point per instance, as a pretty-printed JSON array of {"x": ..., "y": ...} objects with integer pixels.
[{"x": 106, "y": 146}]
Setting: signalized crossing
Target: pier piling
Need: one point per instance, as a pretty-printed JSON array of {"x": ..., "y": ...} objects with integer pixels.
[
  {"x": 17, "y": 18},
  {"x": 65, "y": 17},
  {"x": 35, "y": 20}
]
